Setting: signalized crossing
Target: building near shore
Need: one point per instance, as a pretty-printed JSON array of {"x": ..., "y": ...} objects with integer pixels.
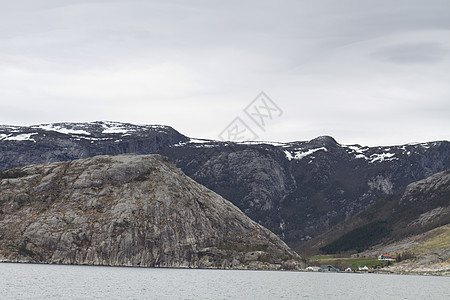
[{"x": 386, "y": 257}]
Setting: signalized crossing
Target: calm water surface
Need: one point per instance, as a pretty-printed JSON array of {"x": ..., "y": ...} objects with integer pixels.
[{"x": 31, "y": 281}]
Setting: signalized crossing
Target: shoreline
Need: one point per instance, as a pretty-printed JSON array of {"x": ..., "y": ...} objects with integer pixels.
[{"x": 436, "y": 273}]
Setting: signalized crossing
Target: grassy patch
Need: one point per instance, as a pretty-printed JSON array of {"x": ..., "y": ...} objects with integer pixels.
[
  {"x": 437, "y": 242},
  {"x": 321, "y": 257},
  {"x": 345, "y": 262}
]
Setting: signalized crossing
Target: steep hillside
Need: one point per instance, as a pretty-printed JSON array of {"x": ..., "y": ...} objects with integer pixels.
[
  {"x": 425, "y": 254},
  {"x": 424, "y": 205},
  {"x": 127, "y": 210},
  {"x": 298, "y": 190}
]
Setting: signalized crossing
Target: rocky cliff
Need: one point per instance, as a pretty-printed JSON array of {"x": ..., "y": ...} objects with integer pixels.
[
  {"x": 423, "y": 206},
  {"x": 298, "y": 190},
  {"x": 128, "y": 210}
]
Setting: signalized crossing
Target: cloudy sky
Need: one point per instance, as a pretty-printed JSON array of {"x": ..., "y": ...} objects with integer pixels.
[{"x": 368, "y": 72}]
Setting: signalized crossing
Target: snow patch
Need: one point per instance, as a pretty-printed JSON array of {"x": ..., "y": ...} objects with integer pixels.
[
  {"x": 180, "y": 144},
  {"x": 199, "y": 141},
  {"x": 357, "y": 149},
  {"x": 205, "y": 146},
  {"x": 115, "y": 128},
  {"x": 20, "y": 137},
  {"x": 158, "y": 126},
  {"x": 301, "y": 154},
  {"x": 276, "y": 144},
  {"x": 362, "y": 156},
  {"x": 288, "y": 155},
  {"x": 380, "y": 157},
  {"x": 50, "y": 127}
]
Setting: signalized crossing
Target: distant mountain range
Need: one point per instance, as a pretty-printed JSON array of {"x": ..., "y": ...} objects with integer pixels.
[{"x": 298, "y": 190}]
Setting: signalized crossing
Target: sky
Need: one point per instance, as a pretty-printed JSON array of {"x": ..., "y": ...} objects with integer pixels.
[{"x": 364, "y": 72}]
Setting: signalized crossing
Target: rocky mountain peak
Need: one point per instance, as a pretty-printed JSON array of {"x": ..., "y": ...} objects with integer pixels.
[
  {"x": 128, "y": 210},
  {"x": 324, "y": 141}
]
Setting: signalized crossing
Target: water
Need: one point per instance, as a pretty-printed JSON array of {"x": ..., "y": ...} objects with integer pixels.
[{"x": 32, "y": 281}]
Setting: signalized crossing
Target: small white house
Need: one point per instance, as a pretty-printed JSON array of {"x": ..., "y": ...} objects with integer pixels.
[
  {"x": 363, "y": 268},
  {"x": 386, "y": 257},
  {"x": 348, "y": 269}
]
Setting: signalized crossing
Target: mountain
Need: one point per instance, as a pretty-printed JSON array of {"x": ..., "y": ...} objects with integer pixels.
[
  {"x": 298, "y": 190},
  {"x": 20, "y": 146},
  {"x": 128, "y": 210},
  {"x": 424, "y": 206}
]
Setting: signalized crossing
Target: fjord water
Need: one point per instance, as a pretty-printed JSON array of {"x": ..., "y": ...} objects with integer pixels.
[{"x": 34, "y": 281}]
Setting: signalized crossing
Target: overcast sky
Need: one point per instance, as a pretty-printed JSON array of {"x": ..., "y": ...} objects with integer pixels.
[{"x": 367, "y": 72}]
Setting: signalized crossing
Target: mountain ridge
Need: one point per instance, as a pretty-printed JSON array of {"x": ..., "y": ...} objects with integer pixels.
[{"x": 298, "y": 189}]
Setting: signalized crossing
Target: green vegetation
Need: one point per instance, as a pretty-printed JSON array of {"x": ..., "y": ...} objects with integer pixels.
[
  {"x": 359, "y": 239},
  {"x": 398, "y": 220},
  {"x": 437, "y": 239},
  {"x": 345, "y": 262},
  {"x": 432, "y": 241},
  {"x": 321, "y": 257}
]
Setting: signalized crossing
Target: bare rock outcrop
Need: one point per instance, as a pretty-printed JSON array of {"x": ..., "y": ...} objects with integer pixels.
[{"x": 128, "y": 210}]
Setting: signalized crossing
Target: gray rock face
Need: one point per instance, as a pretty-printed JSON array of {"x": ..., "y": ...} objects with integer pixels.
[
  {"x": 297, "y": 190},
  {"x": 425, "y": 203},
  {"x": 429, "y": 189},
  {"x": 128, "y": 210}
]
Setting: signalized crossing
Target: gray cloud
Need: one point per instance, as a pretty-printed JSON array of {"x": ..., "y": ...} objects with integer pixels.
[
  {"x": 416, "y": 53},
  {"x": 196, "y": 64}
]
